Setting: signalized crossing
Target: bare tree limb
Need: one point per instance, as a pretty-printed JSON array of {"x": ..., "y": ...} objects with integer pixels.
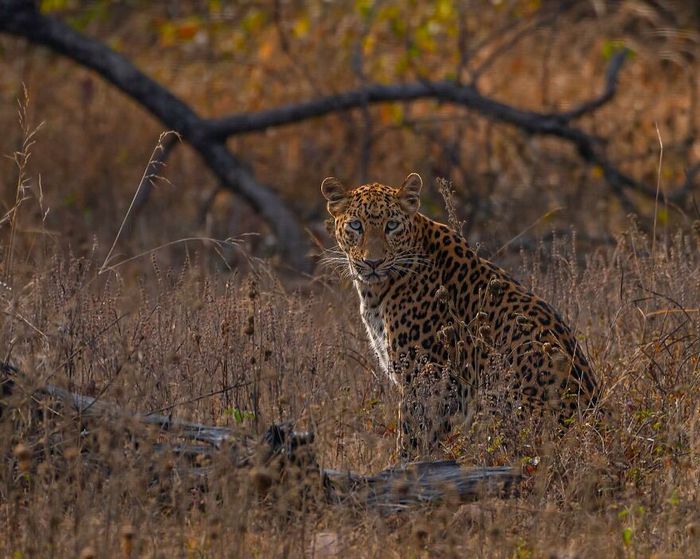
[
  {"x": 556, "y": 124},
  {"x": 208, "y": 136},
  {"x": 538, "y": 21},
  {"x": 446, "y": 91},
  {"x": 608, "y": 93},
  {"x": 553, "y": 124}
]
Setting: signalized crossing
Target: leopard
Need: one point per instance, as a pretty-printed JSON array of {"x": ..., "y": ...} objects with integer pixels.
[{"x": 437, "y": 314}]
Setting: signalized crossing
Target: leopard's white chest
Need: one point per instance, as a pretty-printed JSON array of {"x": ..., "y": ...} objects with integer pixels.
[{"x": 372, "y": 316}]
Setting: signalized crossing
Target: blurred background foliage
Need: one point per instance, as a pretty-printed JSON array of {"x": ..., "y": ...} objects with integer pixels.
[{"x": 226, "y": 57}]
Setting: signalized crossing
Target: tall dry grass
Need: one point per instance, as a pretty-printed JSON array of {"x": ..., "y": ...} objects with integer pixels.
[{"x": 246, "y": 350}]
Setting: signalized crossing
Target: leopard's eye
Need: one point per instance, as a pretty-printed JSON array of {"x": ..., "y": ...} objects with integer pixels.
[
  {"x": 355, "y": 225},
  {"x": 391, "y": 225}
]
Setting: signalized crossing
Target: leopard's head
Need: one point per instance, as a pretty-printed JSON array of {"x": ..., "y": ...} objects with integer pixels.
[{"x": 375, "y": 225}]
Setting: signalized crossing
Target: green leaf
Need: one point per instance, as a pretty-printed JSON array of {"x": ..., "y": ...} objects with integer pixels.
[
  {"x": 238, "y": 415},
  {"x": 364, "y": 8},
  {"x": 675, "y": 499},
  {"x": 627, "y": 536},
  {"x": 48, "y": 6},
  {"x": 85, "y": 17},
  {"x": 662, "y": 216},
  {"x": 253, "y": 21}
]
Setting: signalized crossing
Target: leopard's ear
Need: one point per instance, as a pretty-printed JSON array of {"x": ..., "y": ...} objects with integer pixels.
[
  {"x": 409, "y": 193},
  {"x": 337, "y": 195}
]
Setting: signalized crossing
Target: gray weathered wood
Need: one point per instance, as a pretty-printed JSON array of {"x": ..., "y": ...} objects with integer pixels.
[{"x": 393, "y": 489}]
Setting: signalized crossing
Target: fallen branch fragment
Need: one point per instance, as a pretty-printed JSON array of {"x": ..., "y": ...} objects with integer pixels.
[
  {"x": 442, "y": 481},
  {"x": 201, "y": 446}
]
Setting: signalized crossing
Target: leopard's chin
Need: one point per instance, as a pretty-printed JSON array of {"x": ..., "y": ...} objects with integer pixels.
[{"x": 371, "y": 277}]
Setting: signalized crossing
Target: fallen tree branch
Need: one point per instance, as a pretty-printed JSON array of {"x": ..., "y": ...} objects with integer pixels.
[
  {"x": 398, "y": 487},
  {"x": 424, "y": 483},
  {"x": 87, "y": 407}
]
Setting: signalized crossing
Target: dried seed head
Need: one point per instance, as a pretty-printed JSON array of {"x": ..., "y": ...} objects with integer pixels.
[
  {"x": 696, "y": 228},
  {"x": 250, "y": 329},
  {"x": 128, "y": 533},
  {"x": 252, "y": 291},
  {"x": 22, "y": 452},
  {"x": 167, "y": 463},
  {"x": 446, "y": 334},
  {"x": 24, "y": 457},
  {"x": 420, "y": 533},
  {"x": 261, "y": 479},
  {"x": 481, "y": 315},
  {"x": 44, "y": 470},
  {"x": 71, "y": 453},
  {"x": 442, "y": 294}
]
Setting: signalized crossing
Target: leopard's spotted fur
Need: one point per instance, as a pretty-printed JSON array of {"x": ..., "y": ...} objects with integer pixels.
[{"x": 436, "y": 313}]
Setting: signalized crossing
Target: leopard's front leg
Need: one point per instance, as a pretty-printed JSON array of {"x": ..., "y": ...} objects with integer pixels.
[{"x": 427, "y": 405}]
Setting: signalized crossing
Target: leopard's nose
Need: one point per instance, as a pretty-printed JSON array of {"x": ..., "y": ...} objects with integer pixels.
[{"x": 373, "y": 262}]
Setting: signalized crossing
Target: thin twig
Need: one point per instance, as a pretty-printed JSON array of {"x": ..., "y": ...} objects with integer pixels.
[
  {"x": 200, "y": 397},
  {"x": 148, "y": 174},
  {"x": 656, "y": 199},
  {"x": 528, "y": 228},
  {"x": 218, "y": 242}
]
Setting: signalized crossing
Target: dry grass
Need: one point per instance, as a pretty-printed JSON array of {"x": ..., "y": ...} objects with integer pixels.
[{"x": 150, "y": 339}]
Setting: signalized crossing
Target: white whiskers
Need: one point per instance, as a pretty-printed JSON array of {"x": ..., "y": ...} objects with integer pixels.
[{"x": 403, "y": 263}]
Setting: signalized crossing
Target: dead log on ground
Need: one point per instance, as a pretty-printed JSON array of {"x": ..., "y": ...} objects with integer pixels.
[{"x": 199, "y": 446}]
